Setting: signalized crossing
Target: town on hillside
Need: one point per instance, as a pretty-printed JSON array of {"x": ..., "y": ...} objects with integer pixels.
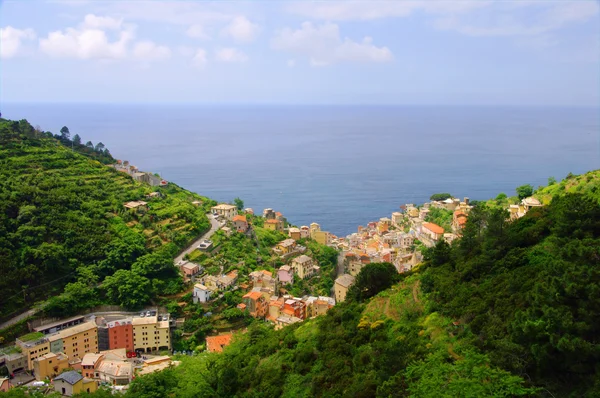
[{"x": 288, "y": 285}]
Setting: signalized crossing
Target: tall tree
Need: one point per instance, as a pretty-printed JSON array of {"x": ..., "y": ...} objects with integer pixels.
[
  {"x": 239, "y": 203},
  {"x": 64, "y": 133},
  {"x": 89, "y": 144},
  {"x": 99, "y": 147},
  {"x": 524, "y": 191},
  {"x": 76, "y": 139}
]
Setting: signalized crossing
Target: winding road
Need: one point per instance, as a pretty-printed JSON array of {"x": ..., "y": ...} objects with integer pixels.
[{"x": 214, "y": 227}]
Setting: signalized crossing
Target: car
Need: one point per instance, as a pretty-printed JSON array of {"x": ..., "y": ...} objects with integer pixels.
[
  {"x": 153, "y": 313},
  {"x": 142, "y": 314},
  {"x": 148, "y": 313}
]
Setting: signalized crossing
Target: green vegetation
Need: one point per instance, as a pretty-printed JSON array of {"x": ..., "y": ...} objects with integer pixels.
[
  {"x": 441, "y": 217},
  {"x": 440, "y": 196},
  {"x": 238, "y": 203},
  {"x": 63, "y": 227},
  {"x": 524, "y": 191},
  {"x": 31, "y": 336},
  {"x": 587, "y": 184}
]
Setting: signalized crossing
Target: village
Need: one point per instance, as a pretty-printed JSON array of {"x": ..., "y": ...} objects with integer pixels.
[{"x": 81, "y": 353}]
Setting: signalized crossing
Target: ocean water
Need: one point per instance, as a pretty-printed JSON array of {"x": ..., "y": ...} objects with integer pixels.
[{"x": 340, "y": 166}]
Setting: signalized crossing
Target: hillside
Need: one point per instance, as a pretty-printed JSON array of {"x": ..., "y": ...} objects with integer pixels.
[
  {"x": 63, "y": 226},
  {"x": 509, "y": 310}
]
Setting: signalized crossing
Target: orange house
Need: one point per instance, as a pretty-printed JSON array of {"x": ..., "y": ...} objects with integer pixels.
[{"x": 120, "y": 334}]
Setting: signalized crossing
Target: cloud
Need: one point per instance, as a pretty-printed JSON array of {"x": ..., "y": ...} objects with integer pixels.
[
  {"x": 241, "y": 30},
  {"x": 200, "y": 58},
  {"x": 323, "y": 45},
  {"x": 11, "y": 41},
  {"x": 92, "y": 21},
  {"x": 231, "y": 55},
  {"x": 85, "y": 44},
  {"x": 197, "y": 31},
  {"x": 148, "y": 50}
]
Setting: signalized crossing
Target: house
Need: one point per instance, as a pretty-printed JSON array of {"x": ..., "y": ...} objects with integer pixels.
[
  {"x": 432, "y": 231},
  {"x": 285, "y": 274},
  {"x": 530, "y": 202},
  {"x": 285, "y": 247},
  {"x": 304, "y": 232},
  {"x": 269, "y": 214},
  {"x": 226, "y": 230},
  {"x": 354, "y": 262},
  {"x": 342, "y": 284},
  {"x": 71, "y": 383},
  {"x": 151, "y": 334},
  {"x": 262, "y": 279},
  {"x": 197, "y": 203},
  {"x": 152, "y": 195},
  {"x": 89, "y": 363},
  {"x": 459, "y": 220},
  {"x": 14, "y": 361},
  {"x": 294, "y": 308},
  {"x": 224, "y": 210},
  {"x": 120, "y": 334},
  {"x": 294, "y": 233},
  {"x": 397, "y": 218},
  {"x": 5, "y": 384},
  {"x": 156, "y": 364},
  {"x": 190, "y": 269},
  {"x": 321, "y": 237},
  {"x": 273, "y": 225},
  {"x": 76, "y": 341},
  {"x": 218, "y": 343},
  {"x": 304, "y": 266},
  {"x": 201, "y": 293},
  {"x": 249, "y": 210},
  {"x": 240, "y": 223},
  {"x": 114, "y": 368},
  {"x": 275, "y": 307},
  {"x": 49, "y": 365},
  {"x": 136, "y": 205},
  {"x": 423, "y": 213},
  {"x": 256, "y": 304},
  {"x": 412, "y": 211}
]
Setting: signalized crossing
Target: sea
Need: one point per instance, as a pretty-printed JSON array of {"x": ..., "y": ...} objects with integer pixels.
[{"x": 339, "y": 166}]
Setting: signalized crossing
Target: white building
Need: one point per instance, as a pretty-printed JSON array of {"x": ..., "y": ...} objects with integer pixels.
[{"x": 201, "y": 293}]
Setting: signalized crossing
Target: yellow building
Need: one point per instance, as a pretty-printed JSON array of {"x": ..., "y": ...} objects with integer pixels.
[
  {"x": 285, "y": 246},
  {"x": 321, "y": 237},
  {"x": 50, "y": 365},
  {"x": 342, "y": 284},
  {"x": 75, "y": 341},
  {"x": 71, "y": 383},
  {"x": 226, "y": 211},
  {"x": 33, "y": 345},
  {"x": 273, "y": 225},
  {"x": 150, "y": 334}
]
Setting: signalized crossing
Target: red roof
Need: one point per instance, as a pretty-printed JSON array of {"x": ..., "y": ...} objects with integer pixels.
[
  {"x": 217, "y": 343},
  {"x": 253, "y": 295},
  {"x": 239, "y": 218},
  {"x": 272, "y": 221},
  {"x": 278, "y": 214},
  {"x": 436, "y": 229}
]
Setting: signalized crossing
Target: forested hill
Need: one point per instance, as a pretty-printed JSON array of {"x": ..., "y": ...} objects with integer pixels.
[
  {"x": 509, "y": 310},
  {"x": 63, "y": 226}
]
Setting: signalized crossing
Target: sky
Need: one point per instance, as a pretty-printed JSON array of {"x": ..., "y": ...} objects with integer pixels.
[{"x": 540, "y": 53}]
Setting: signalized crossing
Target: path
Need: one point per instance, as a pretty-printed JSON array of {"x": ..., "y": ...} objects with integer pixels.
[
  {"x": 19, "y": 318},
  {"x": 214, "y": 226}
]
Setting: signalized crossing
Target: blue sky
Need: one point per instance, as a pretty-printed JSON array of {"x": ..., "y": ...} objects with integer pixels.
[{"x": 372, "y": 52}]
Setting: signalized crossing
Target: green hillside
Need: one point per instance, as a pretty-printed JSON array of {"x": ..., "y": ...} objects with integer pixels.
[
  {"x": 63, "y": 227},
  {"x": 509, "y": 310}
]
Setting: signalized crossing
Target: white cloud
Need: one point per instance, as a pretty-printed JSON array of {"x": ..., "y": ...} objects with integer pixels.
[
  {"x": 323, "y": 45},
  {"x": 92, "y": 21},
  {"x": 241, "y": 30},
  {"x": 11, "y": 41},
  {"x": 200, "y": 58},
  {"x": 85, "y": 44},
  {"x": 197, "y": 31},
  {"x": 230, "y": 55},
  {"x": 148, "y": 50}
]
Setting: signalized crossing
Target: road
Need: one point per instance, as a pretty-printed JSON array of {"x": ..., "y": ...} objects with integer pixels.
[
  {"x": 19, "y": 318},
  {"x": 214, "y": 226}
]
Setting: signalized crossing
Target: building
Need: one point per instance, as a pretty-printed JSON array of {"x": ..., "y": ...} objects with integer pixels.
[
  {"x": 285, "y": 247},
  {"x": 304, "y": 266},
  {"x": 120, "y": 334},
  {"x": 114, "y": 368},
  {"x": 432, "y": 231},
  {"x": 76, "y": 341},
  {"x": 530, "y": 202},
  {"x": 150, "y": 334},
  {"x": 249, "y": 210},
  {"x": 397, "y": 218},
  {"x": 269, "y": 214},
  {"x": 342, "y": 284},
  {"x": 224, "y": 210},
  {"x": 240, "y": 223},
  {"x": 136, "y": 205},
  {"x": 218, "y": 343},
  {"x": 54, "y": 327},
  {"x": 201, "y": 293},
  {"x": 71, "y": 383},
  {"x": 89, "y": 363},
  {"x": 354, "y": 262},
  {"x": 14, "y": 361},
  {"x": 320, "y": 306},
  {"x": 256, "y": 304},
  {"x": 49, "y": 365},
  {"x": 285, "y": 274},
  {"x": 459, "y": 220},
  {"x": 33, "y": 345},
  {"x": 263, "y": 279},
  {"x": 294, "y": 233},
  {"x": 190, "y": 269},
  {"x": 5, "y": 384},
  {"x": 273, "y": 225}
]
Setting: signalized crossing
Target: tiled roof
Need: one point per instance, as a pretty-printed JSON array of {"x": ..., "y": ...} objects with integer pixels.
[
  {"x": 240, "y": 218},
  {"x": 253, "y": 295},
  {"x": 272, "y": 221},
  {"x": 217, "y": 343},
  {"x": 436, "y": 229},
  {"x": 70, "y": 377}
]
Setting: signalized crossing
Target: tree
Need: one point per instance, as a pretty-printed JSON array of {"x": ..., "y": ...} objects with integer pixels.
[
  {"x": 440, "y": 196},
  {"x": 551, "y": 181},
  {"x": 99, "y": 147},
  {"x": 501, "y": 196},
  {"x": 77, "y": 139},
  {"x": 239, "y": 203},
  {"x": 89, "y": 144},
  {"x": 64, "y": 133},
  {"x": 127, "y": 288},
  {"x": 372, "y": 279},
  {"x": 524, "y": 191}
]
